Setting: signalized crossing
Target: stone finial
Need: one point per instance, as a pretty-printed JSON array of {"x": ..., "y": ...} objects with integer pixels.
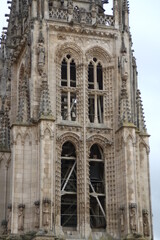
[
  {"x": 140, "y": 113},
  {"x": 45, "y": 105},
  {"x": 124, "y": 106}
]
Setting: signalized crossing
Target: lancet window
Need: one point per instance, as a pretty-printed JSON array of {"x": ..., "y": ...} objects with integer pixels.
[
  {"x": 97, "y": 188},
  {"x": 68, "y": 186},
  {"x": 68, "y": 89},
  {"x": 95, "y": 89}
]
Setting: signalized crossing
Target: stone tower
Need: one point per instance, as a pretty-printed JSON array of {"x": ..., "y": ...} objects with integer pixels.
[{"x": 73, "y": 141}]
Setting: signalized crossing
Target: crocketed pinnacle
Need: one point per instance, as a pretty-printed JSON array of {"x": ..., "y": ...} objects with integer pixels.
[
  {"x": 4, "y": 130},
  {"x": 24, "y": 104},
  {"x": 140, "y": 113},
  {"x": 124, "y": 106},
  {"x": 45, "y": 105},
  {"x": 126, "y": 6}
]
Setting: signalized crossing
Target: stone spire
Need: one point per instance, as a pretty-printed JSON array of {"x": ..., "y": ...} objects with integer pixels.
[
  {"x": 124, "y": 106},
  {"x": 45, "y": 105},
  {"x": 140, "y": 114},
  {"x": 24, "y": 104}
]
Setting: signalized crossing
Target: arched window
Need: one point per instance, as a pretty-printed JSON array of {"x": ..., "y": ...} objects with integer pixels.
[
  {"x": 68, "y": 89},
  {"x": 68, "y": 186},
  {"x": 95, "y": 88},
  {"x": 97, "y": 188}
]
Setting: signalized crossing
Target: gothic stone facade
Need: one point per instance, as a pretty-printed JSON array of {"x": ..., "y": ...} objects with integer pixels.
[{"x": 73, "y": 142}]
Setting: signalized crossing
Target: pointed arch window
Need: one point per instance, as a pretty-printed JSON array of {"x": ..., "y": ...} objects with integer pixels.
[
  {"x": 97, "y": 188},
  {"x": 68, "y": 186},
  {"x": 95, "y": 88},
  {"x": 68, "y": 89}
]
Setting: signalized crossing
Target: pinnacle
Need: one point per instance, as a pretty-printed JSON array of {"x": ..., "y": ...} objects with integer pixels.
[
  {"x": 45, "y": 105},
  {"x": 140, "y": 113}
]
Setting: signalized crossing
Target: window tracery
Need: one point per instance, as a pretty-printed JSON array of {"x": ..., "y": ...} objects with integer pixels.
[
  {"x": 95, "y": 92},
  {"x": 68, "y": 89}
]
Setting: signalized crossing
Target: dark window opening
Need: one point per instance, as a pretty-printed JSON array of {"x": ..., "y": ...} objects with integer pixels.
[
  {"x": 91, "y": 76},
  {"x": 96, "y": 152},
  {"x": 97, "y": 188},
  {"x": 68, "y": 186},
  {"x": 73, "y": 102},
  {"x": 64, "y": 73},
  {"x": 72, "y": 74},
  {"x": 100, "y": 108},
  {"x": 64, "y": 105},
  {"x": 99, "y": 77},
  {"x": 97, "y": 219},
  {"x": 91, "y": 108}
]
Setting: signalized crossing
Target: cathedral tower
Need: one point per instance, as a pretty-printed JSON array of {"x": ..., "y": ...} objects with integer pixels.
[{"x": 74, "y": 149}]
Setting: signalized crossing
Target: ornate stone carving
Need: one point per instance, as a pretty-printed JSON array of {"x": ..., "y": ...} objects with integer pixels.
[
  {"x": 146, "y": 230},
  {"x": 37, "y": 214},
  {"x": 133, "y": 217},
  {"x": 21, "y": 208}
]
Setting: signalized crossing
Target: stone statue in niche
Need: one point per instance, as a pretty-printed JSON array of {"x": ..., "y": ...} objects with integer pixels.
[
  {"x": 122, "y": 219},
  {"x": 124, "y": 66},
  {"x": 21, "y": 208},
  {"x": 132, "y": 217},
  {"x": 41, "y": 53},
  {"x": 9, "y": 218},
  {"x": 41, "y": 58},
  {"x": 146, "y": 231},
  {"x": 46, "y": 213},
  {"x": 37, "y": 214}
]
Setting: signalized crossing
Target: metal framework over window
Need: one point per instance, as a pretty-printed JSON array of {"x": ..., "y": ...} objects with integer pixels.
[
  {"x": 68, "y": 186},
  {"x": 68, "y": 89},
  {"x": 97, "y": 188},
  {"x": 95, "y": 87}
]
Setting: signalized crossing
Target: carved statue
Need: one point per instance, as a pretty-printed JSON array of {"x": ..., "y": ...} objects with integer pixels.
[
  {"x": 122, "y": 219},
  {"x": 9, "y": 218},
  {"x": 37, "y": 214},
  {"x": 41, "y": 57},
  {"x": 124, "y": 66},
  {"x": 132, "y": 216},
  {"x": 146, "y": 231},
  {"x": 21, "y": 217},
  {"x": 46, "y": 212}
]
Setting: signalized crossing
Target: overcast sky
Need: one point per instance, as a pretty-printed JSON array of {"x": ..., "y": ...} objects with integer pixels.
[{"x": 145, "y": 29}]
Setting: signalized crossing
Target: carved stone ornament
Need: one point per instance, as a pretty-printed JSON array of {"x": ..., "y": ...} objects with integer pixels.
[
  {"x": 133, "y": 217},
  {"x": 146, "y": 230},
  {"x": 21, "y": 208}
]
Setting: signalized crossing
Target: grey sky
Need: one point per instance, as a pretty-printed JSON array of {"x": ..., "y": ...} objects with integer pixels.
[{"x": 144, "y": 23}]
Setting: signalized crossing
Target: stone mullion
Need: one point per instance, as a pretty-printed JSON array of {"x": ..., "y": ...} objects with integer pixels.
[
  {"x": 87, "y": 199},
  {"x": 80, "y": 169},
  {"x": 58, "y": 95},
  {"x": 111, "y": 188},
  {"x": 58, "y": 187}
]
